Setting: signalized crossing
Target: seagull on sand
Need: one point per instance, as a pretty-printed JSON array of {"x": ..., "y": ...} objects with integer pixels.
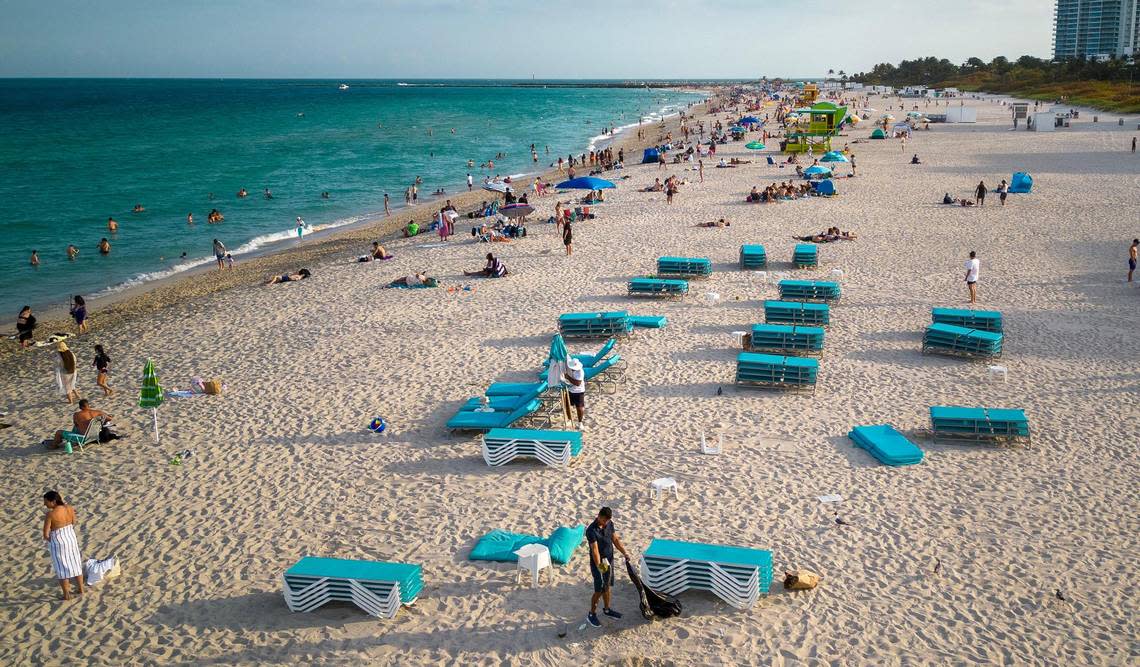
[
  {"x": 937, "y": 565},
  {"x": 839, "y": 520},
  {"x": 1060, "y": 596}
]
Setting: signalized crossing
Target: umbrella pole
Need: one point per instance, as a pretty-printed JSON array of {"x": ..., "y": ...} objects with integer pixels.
[{"x": 154, "y": 411}]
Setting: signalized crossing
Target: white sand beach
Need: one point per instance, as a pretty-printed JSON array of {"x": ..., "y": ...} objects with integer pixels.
[{"x": 283, "y": 465}]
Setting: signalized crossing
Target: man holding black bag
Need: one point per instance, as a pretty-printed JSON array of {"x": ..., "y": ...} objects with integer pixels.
[{"x": 602, "y": 539}]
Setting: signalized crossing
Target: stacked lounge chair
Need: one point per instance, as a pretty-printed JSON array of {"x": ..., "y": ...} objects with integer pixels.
[
  {"x": 737, "y": 575},
  {"x": 805, "y": 256},
  {"x": 776, "y": 372},
  {"x": 809, "y": 290},
  {"x": 983, "y": 320},
  {"x": 658, "y": 287},
  {"x": 961, "y": 342},
  {"x": 554, "y": 448},
  {"x": 786, "y": 339},
  {"x": 480, "y": 420},
  {"x": 376, "y": 587},
  {"x": 595, "y": 325},
  {"x": 505, "y": 404},
  {"x": 694, "y": 267},
  {"x": 886, "y": 444},
  {"x": 753, "y": 257},
  {"x": 797, "y": 312},
  {"x": 993, "y": 424}
]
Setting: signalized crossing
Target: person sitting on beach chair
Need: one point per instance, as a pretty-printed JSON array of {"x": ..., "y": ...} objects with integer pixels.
[
  {"x": 80, "y": 422},
  {"x": 493, "y": 269},
  {"x": 289, "y": 277},
  {"x": 377, "y": 252}
]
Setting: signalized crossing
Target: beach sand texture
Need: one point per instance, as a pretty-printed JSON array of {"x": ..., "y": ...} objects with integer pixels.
[{"x": 284, "y": 466}]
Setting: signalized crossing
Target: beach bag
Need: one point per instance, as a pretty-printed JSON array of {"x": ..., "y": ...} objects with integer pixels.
[
  {"x": 651, "y": 603},
  {"x": 95, "y": 571},
  {"x": 212, "y": 387},
  {"x": 800, "y": 580}
]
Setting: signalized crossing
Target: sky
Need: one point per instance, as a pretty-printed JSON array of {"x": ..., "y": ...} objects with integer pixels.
[{"x": 345, "y": 39}]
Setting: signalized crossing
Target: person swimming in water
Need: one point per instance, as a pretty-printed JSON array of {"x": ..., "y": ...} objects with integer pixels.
[
  {"x": 242, "y": 193},
  {"x": 268, "y": 194},
  {"x": 112, "y": 226},
  {"x": 72, "y": 251},
  {"x": 35, "y": 261},
  {"x": 138, "y": 208},
  {"x": 104, "y": 246}
]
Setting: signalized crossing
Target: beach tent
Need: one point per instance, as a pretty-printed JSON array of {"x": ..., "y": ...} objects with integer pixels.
[
  {"x": 585, "y": 183},
  {"x": 650, "y": 155},
  {"x": 1021, "y": 183},
  {"x": 825, "y": 187},
  {"x": 878, "y": 134}
]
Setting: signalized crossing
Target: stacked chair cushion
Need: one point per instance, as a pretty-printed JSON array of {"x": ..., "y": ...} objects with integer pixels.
[
  {"x": 471, "y": 420},
  {"x": 697, "y": 267},
  {"x": 515, "y": 388},
  {"x": 797, "y": 312},
  {"x": 805, "y": 256},
  {"x": 777, "y": 372},
  {"x": 983, "y": 320},
  {"x": 648, "y": 321},
  {"x": 658, "y": 287},
  {"x": 886, "y": 444},
  {"x": 753, "y": 257},
  {"x": 737, "y": 575},
  {"x": 376, "y": 587},
  {"x": 809, "y": 290},
  {"x": 594, "y": 325},
  {"x": 787, "y": 339},
  {"x": 998, "y": 424},
  {"x": 554, "y": 448},
  {"x": 960, "y": 341}
]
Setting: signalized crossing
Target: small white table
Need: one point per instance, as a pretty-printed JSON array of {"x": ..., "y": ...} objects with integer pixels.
[
  {"x": 739, "y": 337},
  {"x": 534, "y": 558},
  {"x": 657, "y": 486}
]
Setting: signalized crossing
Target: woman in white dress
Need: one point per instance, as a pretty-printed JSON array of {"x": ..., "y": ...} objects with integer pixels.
[{"x": 62, "y": 543}]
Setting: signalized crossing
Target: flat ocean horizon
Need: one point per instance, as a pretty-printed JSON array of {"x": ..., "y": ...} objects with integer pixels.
[{"x": 77, "y": 151}]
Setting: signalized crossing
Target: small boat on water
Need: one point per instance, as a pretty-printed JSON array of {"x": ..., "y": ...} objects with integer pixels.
[{"x": 343, "y": 86}]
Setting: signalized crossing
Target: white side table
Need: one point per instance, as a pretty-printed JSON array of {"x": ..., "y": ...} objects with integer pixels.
[
  {"x": 534, "y": 558},
  {"x": 658, "y": 486}
]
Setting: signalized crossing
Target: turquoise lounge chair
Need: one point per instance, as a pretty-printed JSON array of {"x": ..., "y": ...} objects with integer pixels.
[
  {"x": 992, "y": 424},
  {"x": 775, "y": 372},
  {"x": 658, "y": 287},
  {"x": 694, "y": 267},
  {"x": 737, "y": 575},
  {"x": 886, "y": 444},
  {"x": 791, "y": 339},
  {"x": 797, "y": 312},
  {"x": 753, "y": 256},
  {"x": 809, "y": 290},
  {"x": 554, "y": 448},
  {"x": 485, "y": 421},
  {"x": 378, "y": 588},
  {"x": 805, "y": 256},
  {"x": 961, "y": 342},
  {"x": 595, "y": 325},
  {"x": 984, "y": 320}
]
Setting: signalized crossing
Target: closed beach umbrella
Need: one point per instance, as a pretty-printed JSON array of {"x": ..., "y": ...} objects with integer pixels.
[
  {"x": 586, "y": 183},
  {"x": 516, "y": 210},
  {"x": 557, "y": 367},
  {"x": 817, "y": 169},
  {"x": 150, "y": 396},
  {"x": 833, "y": 156},
  {"x": 754, "y": 145}
]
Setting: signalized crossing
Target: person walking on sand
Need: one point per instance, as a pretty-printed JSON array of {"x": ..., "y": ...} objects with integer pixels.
[
  {"x": 980, "y": 193},
  {"x": 78, "y": 313},
  {"x": 387, "y": 212},
  {"x": 567, "y": 237},
  {"x": 701, "y": 170},
  {"x": 220, "y": 253},
  {"x": 102, "y": 364},
  {"x": 602, "y": 539},
  {"x": 1132, "y": 257},
  {"x": 65, "y": 368},
  {"x": 973, "y": 267},
  {"x": 470, "y": 182},
  {"x": 575, "y": 380},
  {"x": 1133, "y": 145},
  {"x": 1003, "y": 191},
  {"x": 62, "y": 543}
]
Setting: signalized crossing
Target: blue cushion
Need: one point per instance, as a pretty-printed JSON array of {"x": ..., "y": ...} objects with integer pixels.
[
  {"x": 563, "y": 541},
  {"x": 500, "y": 546}
]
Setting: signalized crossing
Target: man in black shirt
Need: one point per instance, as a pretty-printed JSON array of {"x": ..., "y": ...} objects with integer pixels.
[{"x": 602, "y": 539}]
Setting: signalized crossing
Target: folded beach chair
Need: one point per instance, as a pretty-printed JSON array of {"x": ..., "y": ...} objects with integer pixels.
[
  {"x": 809, "y": 290},
  {"x": 554, "y": 448},
  {"x": 737, "y": 575},
  {"x": 88, "y": 437},
  {"x": 886, "y": 444},
  {"x": 694, "y": 267},
  {"x": 805, "y": 256},
  {"x": 770, "y": 160},
  {"x": 983, "y": 320},
  {"x": 589, "y": 360},
  {"x": 658, "y": 287},
  {"x": 797, "y": 312},
  {"x": 790, "y": 339},
  {"x": 500, "y": 403},
  {"x": 961, "y": 342},
  {"x": 648, "y": 321},
  {"x": 515, "y": 388},
  {"x": 378, "y": 588},
  {"x": 769, "y": 371},
  {"x": 606, "y": 374},
  {"x": 993, "y": 424},
  {"x": 753, "y": 257},
  {"x": 595, "y": 325},
  {"x": 474, "y": 420}
]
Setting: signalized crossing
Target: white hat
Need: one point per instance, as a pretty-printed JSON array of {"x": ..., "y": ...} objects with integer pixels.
[{"x": 574, "y": 364}]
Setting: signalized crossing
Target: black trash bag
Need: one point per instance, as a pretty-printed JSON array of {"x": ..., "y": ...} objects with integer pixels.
[{"x": 652, "y": 603}]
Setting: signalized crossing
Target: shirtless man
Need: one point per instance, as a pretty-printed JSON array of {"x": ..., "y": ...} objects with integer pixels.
[
  {"x": 1132, "y": 257},
  {"x": 112, "y": 226},
  {"x": 80, "y": 421},
  {"x": 62, "y": 543}
]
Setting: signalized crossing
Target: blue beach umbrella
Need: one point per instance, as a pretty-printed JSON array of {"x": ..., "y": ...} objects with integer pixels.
[
  {"x": 834, "y": 156},
  {"x": 816, "y": 169},
  {"x": 586, "y": 183}
]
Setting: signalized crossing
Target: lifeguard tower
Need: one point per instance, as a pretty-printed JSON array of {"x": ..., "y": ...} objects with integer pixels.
[
  {"x": 810, "y": 94},
  {"x": 823, "y": 122}
]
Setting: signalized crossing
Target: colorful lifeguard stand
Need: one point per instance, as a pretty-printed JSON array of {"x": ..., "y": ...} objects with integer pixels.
[
  {"x": 810, "y": 94},
  {"x": 824, "y": 121}
]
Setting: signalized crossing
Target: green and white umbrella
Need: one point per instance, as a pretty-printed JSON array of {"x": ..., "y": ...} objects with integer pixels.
[{"x": 150, "y": 396}]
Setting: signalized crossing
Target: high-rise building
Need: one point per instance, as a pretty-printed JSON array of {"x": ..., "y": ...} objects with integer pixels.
[{"x": 1096, "y": 29}]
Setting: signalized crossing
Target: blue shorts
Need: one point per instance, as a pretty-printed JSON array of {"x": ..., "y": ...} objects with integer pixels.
[
  {"x": 1131, "y": 264},
  {"x": 602, "y": 581}
]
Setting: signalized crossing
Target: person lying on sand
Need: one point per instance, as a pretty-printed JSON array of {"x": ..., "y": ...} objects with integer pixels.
[
  {"x": 736, "y": 161},
  {"x": 493, "y": 269},
  {"x": 415, "y": 280},
  {"x": 724, "y": 165},
  {"x": 377, "y": 252},
  {"x": 966, "y": 202},
  {"x": 715, "y": 223},
  {"x": 832, "y": 234},
  {"x": 289, "y": 277}
]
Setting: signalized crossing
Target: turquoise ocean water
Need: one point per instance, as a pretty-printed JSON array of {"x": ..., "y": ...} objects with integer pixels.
[{"x": 73, "y": 152}]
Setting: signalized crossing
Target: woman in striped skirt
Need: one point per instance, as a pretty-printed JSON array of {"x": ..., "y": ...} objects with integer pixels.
[{"x": 59, "y": 533}]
